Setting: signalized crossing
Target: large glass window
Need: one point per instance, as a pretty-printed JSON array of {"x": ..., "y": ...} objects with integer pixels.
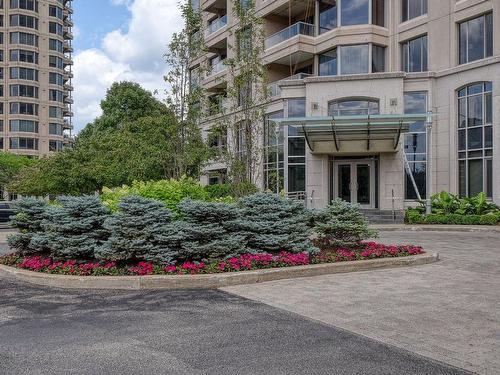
[
  {"x": 415, "y": 146},
  {"x": 327, "y": 15},
  {"x": 23, "y": 144},
  {"x": 355, "y": 12},
  {"x": 354, "y": 59},
  {"x": 328, "y": 63},
  {"x": 353, "y": 107},
  {"x": 476, "y": 39},
  {"x": 415, "y": 55},
  {"x": 296, "y": 149},
  {"x": 274, "y": 164},
  {"x": 475, "y": 139},
  {"x": 413, "y": 8}
]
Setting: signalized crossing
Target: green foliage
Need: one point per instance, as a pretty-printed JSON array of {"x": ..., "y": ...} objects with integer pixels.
[
  {"x": 11, "y": 165},
  {"x": 208, "y": 231},
  {"x": 236, "y": 190},
  {"x": 170, "y": 192},
  {"x": 451, "y": 209},
  {"x": 133, "y": 231},
  {"x": 341, "y": 224},
  {"x": 273, "y": 224},
  {"x": 136, "y": 138},
  {"x": 29, "y": 214},
  {"x": 414, "y": 217},
  {"x": 73, "y": 228}
]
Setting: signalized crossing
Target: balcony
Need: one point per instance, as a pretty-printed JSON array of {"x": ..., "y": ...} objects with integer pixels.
[
  {"x": 274, "y": 89},
  {"x": 67, "y": 75},
  {"x": 218, "y": 67},
  {"x": 68, "y": 34},
  {"x": 67, "y": 125},
  {"x": 67, "y": 48},
  {"x": 67, "y": 61},
  {"x": 299, "y": 28},
  {"x": 216, "y": 25}
]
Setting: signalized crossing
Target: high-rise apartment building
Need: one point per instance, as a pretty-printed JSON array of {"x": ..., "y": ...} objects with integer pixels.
[
  {"x": 35, "y": 76},
  {"x": 376, "y": 102}
]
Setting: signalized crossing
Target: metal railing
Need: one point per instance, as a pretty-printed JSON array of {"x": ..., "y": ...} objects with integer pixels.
[
  {"x": 299, "y": 28},
  {"x": 216, "y": 25}
]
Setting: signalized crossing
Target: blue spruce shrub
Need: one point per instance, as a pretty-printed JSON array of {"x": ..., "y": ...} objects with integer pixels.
[
  {"x": 74, "y": 227},
  {"x": 273, "y": 224},
  {"x": 208, "y": 232},
  {"x": 29, "y": 214},
  {"x": 140, "y": 229}
]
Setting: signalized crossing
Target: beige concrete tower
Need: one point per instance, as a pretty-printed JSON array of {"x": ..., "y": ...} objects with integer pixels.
[{"x": 35, "y": 76}]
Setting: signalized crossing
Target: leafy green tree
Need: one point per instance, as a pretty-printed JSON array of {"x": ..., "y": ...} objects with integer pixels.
[{"x": 11, "y": 165}]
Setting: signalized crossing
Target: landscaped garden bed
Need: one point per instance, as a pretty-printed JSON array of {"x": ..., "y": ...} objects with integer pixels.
[
  {"x": 245, "y": 262},
  {"x": 451, "y": 209},
  {"x": 139, "y": 236}
]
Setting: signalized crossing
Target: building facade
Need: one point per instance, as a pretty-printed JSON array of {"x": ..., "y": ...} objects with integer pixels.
[
  {"x": 35, "y": 76},
  {"x": 376, "y": 102}
]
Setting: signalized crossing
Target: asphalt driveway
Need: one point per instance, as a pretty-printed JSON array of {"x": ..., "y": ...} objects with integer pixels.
[{"x": 51, "y": 331}]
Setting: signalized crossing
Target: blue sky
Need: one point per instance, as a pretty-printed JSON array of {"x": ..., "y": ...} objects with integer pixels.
[{"x": 118, "y": 40}]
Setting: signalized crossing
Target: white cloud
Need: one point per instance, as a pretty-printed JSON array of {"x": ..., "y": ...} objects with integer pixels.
[{"x": 135, "y": 55}]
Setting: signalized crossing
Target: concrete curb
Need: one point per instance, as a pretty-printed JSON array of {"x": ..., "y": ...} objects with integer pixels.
[
  {"x": 211, "y": 281},
  {"x": 436, "y": 228}
]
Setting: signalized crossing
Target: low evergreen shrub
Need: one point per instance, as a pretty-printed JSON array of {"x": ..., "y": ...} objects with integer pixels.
[
  {"x": 137, "y": 231},
  {"x": 341, "y": 224},
  {"x": 272, "y": 224},
  {"x": 73, "y": 227},
  {"x": 29, "y": 214}
]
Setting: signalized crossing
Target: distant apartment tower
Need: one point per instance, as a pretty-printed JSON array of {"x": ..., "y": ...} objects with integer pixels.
[
  {"x": 376, "y": 102},
  {"x": 35, "y": 76}
]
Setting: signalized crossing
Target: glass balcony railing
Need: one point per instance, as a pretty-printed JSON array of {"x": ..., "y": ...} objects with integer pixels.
[
  {"x": 218, "y": 67},
  {"x": 274, "y": 90},
  {"x": 299, "y": 28},
  {"x": 216, "y": 25}
]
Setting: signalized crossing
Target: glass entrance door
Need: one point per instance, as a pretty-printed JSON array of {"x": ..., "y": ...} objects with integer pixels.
[{"x": 355, "y": 182}]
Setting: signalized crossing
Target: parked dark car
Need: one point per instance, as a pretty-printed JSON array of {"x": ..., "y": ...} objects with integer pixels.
[{"x": 5, "y": 213}]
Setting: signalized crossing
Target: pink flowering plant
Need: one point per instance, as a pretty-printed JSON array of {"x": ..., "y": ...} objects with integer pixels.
[{"x": 244, "y": 262}]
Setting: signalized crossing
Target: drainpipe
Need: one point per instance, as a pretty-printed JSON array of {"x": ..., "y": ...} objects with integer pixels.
[{"x": 428, "y": 130}]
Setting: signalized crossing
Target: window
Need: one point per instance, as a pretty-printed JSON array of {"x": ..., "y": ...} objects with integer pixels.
[
  {"x": 415, "y": 146},
  {"x": 24, "y": 56},
  {"x": 24, "y": 73},
  {"x": 24, "y": 91},
  {"x": 55, "y": 145},
  {"x": 24, "y": 4},
  {"x": 354, "y": 59},
  {"x": 22, "y": 20},
  {"x": 415, "y": 55},
  {"x": 56, "y": 79},
  {"x": 327, "y": 15},
  {"x": 56, "y": 96},
  {"x": 25, "y": 126},
  {"x": 24, "y": 38},
  {"x": 23, "y": 144},
  {"x": 244, "y": 41},
  {"x": 55, "y": 28},
  {"x": 378, "y": 59},
  {"x": 296, "y": 149},
  {"x": 476, "y": 39},
  {"x": 413, "y": 8},
  {"x": 328, "y": 63},
  {"x": 55, "y": 129},
  {"x": 354, "y": 12},
  {"x": 56, "y": 45},
  {"x": 24, "y": 109},
  {"x": 55, "y": 112},
  {"x": 475, "y": 139},
  {"x": 217, "y": 177},
  {"x": 274, "y": 165},
  {"x": 55, "y": 12},
  {"x": 353, "y": 107},
  {"x": 56, "y": 62}
]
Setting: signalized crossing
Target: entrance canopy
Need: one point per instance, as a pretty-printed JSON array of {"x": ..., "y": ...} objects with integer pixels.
[{"x": 352, "y": 134}]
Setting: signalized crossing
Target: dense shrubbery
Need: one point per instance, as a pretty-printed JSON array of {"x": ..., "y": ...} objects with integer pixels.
[
  {"x": 451, "y": 209},
  {"x": 341, "y": 224},
  {"x": 144, "y": 229}
]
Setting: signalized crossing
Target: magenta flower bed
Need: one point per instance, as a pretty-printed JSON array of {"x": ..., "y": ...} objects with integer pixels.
[{"x": 245, "y": 262}]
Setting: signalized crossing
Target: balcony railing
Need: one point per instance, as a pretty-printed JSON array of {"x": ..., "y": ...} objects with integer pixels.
[
  {"x": 274, "y": 90},
  {"x": 216, "y": 25},
  {"x": 299, "y": 28},
  {"x": 218, "y": 67}
]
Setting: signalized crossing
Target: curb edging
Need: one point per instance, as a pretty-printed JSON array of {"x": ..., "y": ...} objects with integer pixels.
[
  {"x": 436, "y": 228},
  {"x": 211, "y": 281}
]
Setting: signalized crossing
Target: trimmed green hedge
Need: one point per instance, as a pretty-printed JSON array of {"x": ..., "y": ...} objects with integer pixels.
[{"x": 414, "y": 217}]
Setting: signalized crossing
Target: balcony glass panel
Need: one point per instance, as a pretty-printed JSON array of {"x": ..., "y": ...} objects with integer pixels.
[
  {"x": 218, "y": 67},
  {"x": 217, "y": 24},
  {"x": 300, "y": 28}
]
